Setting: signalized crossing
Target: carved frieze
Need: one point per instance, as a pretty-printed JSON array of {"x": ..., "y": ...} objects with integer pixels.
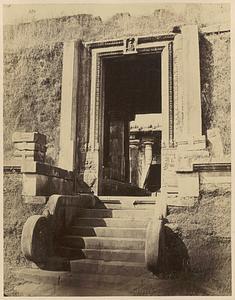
[{"x": 130, "y": 45}]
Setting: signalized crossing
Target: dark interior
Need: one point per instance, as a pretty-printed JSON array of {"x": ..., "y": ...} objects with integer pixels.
[
  {"x": 133, "y": 83},
  {"x": 132, "y": 86}
]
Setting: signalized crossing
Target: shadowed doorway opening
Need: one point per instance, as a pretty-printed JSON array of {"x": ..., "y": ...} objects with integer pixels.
[{"x": 132, "y": 120}]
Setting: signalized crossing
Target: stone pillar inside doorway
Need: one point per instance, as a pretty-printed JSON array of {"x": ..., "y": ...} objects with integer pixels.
[
  {"x": 119, "y": 146},
  {"x": 134, "y": 161},
  {"x": 148, "y": 156}
]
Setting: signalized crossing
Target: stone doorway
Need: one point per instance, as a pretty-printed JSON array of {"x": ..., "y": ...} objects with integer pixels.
[
  {"x": 132, "y": 121},
  {"x": 82, "y": 130},
  {"x": 129, "y": 85}
]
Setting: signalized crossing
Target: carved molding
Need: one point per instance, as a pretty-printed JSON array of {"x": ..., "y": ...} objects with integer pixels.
[
  {"x": 141, "y": 40},
  {"x": 171, "y": 95},
  {"x": 156, "y": 38},
  {"x": 99, "y": 101},
  {"x": 96, "y": 134}
]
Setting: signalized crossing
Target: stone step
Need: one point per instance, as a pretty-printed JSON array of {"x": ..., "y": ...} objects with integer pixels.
[
  {"x": 116, "y": 213},
  {"x": 112, "y": 222},
  {"x": 108, "y": 231},
  {"x": 91, "y": 266},
  {"x": 109, "y": 205},
  {"x": 102, "y": 242},
  {"x": 104, "y": 254},
  {"x": 126, "y": 202}
]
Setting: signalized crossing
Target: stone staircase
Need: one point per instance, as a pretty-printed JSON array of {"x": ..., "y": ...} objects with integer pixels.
[{"x": 109, "y": 239}]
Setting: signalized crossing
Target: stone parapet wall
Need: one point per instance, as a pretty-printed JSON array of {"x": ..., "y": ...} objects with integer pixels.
[{"x": 39, "y": 179}]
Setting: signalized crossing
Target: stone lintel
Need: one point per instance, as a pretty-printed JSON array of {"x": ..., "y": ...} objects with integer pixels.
[
  {"x": 34, "y": 167},
  {"x": 167, "y": 36},
  {"x": 35, "y": 137}
]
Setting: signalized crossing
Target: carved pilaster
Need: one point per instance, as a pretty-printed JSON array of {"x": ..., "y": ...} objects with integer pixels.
[
  {"x": 192, "y": 127},
  {"x": 171, "y": 94}
]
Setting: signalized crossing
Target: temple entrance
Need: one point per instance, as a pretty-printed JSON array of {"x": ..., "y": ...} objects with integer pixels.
[{"x": 132, "y": 122}]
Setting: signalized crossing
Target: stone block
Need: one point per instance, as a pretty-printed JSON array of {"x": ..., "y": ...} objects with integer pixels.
[
  {"x": 30, "y": 146},
  {"x": 184, "y": 162},
  {"x": 183, "y": 201},
  {"x": 30, "y": 155},
  {"x": 45, "y": 169},
  {"x": 35, "y": 199},
  {"x": 215, "y": 177},
  {"x": 199, "y": 143},
  {"x": 42, "y": 185},
  {"x": 35, "y": 185},
  {"x": 36, "y": 137},
  {"x": 215, "y": 143},
  {"x": 187, "y": 158},
  {"x": 194, "y": 143},
  {"x": 168, "y": 168},
  {"x": 188, "y": 184}
]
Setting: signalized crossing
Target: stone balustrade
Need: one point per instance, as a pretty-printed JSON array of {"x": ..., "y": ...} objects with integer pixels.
[
  {"x": 155, "y": 238},
  {"x": 40, "y": 180},
  {"x": 40, "y": 232}
]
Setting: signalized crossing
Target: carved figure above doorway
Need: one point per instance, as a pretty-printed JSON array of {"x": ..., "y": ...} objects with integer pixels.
[{"x": 130, "y": 45}]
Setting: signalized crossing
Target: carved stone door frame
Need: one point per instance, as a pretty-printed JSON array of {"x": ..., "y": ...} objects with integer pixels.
[{"x": 118, "y": 48}]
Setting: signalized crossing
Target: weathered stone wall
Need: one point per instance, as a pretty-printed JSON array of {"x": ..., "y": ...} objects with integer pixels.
[
  {"x": 215, "y": 84},
  {"x": 205, "y": 231},
  {"x": 32, "y": 92},
  {"x": 89, "y": 28},
  {"x": 33, "y": 68},
  {"x": 15, "y": 215}
]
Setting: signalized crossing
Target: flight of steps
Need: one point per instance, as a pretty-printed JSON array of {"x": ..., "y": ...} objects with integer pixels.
[{"x": 109, "y": 239}]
